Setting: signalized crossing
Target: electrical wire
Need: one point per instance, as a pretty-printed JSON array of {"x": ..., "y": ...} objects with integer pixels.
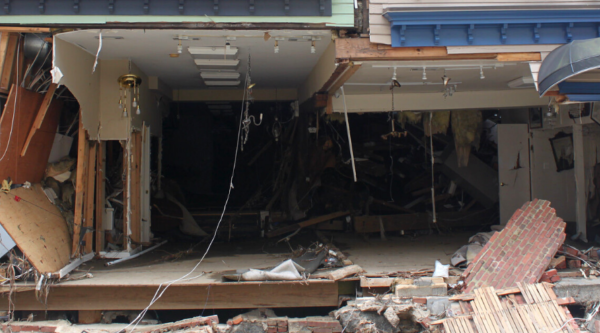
[
  {"x": 432, "y": 168},
  {"x": 161, "y": 290},
  {"x": 16, "y": 87}
]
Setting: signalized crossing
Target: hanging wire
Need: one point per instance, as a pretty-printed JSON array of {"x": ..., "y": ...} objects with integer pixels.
[{"x": 432, "y": 169}]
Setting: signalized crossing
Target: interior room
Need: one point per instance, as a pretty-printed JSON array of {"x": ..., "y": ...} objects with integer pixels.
[{"x": 212, "y": 140}]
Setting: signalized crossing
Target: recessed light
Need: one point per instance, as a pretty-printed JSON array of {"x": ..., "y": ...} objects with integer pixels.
[
  {"x": 222, "y": 83},
  {"x": 217, "y": 62},
  {"x": 214, "y": 50},
  {"x": 220, "y": 75}
]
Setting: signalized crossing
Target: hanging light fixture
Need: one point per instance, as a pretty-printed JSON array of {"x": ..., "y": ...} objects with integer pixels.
[
  {"x": 424, "y": 74},
  {"x": 276, "y": 48},
  {"x": 313, "y": 48},
  {"x": 445, "y": 79},
  {"x": 129, "y": 82},
  {"x": 481, "y": 76},
  {"x": 179, "y": 47}
]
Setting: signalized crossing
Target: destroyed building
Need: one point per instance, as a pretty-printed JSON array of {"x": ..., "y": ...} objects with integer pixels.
[{"x": 299, "y": 166}]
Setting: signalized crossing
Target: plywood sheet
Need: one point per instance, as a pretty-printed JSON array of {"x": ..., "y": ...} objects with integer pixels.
[
  {"x": 32, "y": 166},
  {"x": 37, "y": 227}
]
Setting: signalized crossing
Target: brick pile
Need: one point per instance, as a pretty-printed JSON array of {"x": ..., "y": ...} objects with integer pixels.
[
  {"x": 33, "y": 327},
  {"x": 521, "y": 252},
  {"x": 293, "y": 325}
]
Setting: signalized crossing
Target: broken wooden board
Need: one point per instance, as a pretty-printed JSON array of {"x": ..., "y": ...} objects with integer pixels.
[
  {"x": 37, "y": 227},
  {"x": 39, "y": 118},
  {"x": 306, "y": 223},
  {"x": 32, "y": 166}
]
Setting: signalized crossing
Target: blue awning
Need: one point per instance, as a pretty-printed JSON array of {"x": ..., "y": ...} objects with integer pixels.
[{"x": 493, "y": 27}]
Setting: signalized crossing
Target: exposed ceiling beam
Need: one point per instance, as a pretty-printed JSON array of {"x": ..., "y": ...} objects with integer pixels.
[
  {"x": 361, "y": 49},
  {"x": 24, "y": 29}
]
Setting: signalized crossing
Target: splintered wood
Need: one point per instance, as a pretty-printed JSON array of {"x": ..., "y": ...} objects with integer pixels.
[{"x": 535, "y": 310}]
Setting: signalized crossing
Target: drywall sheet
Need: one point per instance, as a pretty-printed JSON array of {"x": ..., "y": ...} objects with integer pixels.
[{"x": 37, "y": 227}]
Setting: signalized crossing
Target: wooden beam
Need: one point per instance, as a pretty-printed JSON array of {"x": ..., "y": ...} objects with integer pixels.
[
  {"x": 39, "y": 118},
  {"x": 126, "y": 217},
  {"x": 3, "y": 48},
  {"x": 339, "y": 70},
  {"x": 89, "y": 316},
  {"x": 82, "y": 160},
  {"x": 100, "y": 196},
  {"x": 350, "y": 70},
  {"x": 306, "y": 223},
  {"x": 136, "y": 194},
  {"x": 88, "y": 217},
  {"x": 361, "y": 49},
  {"x": 9, "y": 59},
  {"x": 520, "y": 56},
  {"x": 28, "y": 30},
  {"x": 295, "y": 294}
]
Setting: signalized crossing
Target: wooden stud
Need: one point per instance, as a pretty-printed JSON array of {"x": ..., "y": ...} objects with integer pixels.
[
  {"x": 89, "y": 316},
  {"x": 82, "y": 160},
  {"x": 39, "y": 118},
  {"x": 3, "y": 48},
  {"x": 126, "y": 176},
  {"x": 329, "y": 107},
  {"x": 88, "y": 217},
  {"x": 136, "y": 195},
  {"x": 9, "y": 59},
  {"x": 521, "y": 56},
  {"x": 100, "y": 196},
  {"x": 30, "y": 30}
]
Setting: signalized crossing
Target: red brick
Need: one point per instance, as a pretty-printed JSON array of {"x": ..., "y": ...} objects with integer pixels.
[
  {"x": 272, "y": 330},
  {"x": 237, "y": 319},
  {"x": 571, "y": 251},
  {"x": 420, "y": 300},
  {"x": 574, "y": 263},
  {"x": 48, "y": 329},
  {"x": 30, "y": 328},
  {"x": 14, "y": 328},
  {"x": 322, "y": 330}
]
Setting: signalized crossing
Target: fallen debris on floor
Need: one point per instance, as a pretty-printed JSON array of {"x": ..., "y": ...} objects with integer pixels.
[
  {"x": 424, "y": 286},
  {"x": 528, "y": 308},
  {"x": 521, "y": 252}
]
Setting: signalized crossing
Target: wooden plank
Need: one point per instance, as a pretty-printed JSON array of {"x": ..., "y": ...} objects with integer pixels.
[
  {"x": 90, "y": 183},
  {"x": 446, "y": 326},
  {"x": 479, "y": 324},
  {"x": 89, "y": 316},
  {"x": 126, "y": 216},
  {"x": 82, "y": 160},
  {"x": 9, "y": 59},
  {"x": 29, "y": 30},
  {"x": 361, "y": 49},
  {"x": 519, "y": 56},
  {"x": 32, "y": 166},
  {"x": 346, "y": 75},
  {"x": 542, "y": 291},
  {"x": 376, "y": 282},
  {"x": 136, "y": 194},
  {"x": 37, "y": 227},
  {"x": 39, "y": 118},
  {"x": 306, "y": 223},
  {"x": 183, "y": 297},
  {"x": 467, "y": 324},
  {"x": 534, "y": 293},
  {"x": 99, "y": 196},
  {"x": 456, "y": 327},
  {"x": 3, "y": 48},
  {"x": 526, "y": 318},
  {"x": 525, "y": 293}
]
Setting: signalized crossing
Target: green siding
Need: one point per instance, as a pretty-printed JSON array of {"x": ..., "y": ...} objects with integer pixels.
[{"x": 342, "y": 16}]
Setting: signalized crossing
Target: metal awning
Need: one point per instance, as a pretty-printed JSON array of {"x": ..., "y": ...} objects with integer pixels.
[{"x": 567, "y": 61}]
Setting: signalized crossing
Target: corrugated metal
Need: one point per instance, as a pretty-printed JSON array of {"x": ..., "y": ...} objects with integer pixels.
[{"x": 380, "y": 26}]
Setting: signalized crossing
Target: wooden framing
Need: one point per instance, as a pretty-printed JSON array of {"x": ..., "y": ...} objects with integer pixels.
[
  {"x": 9, "y": 60},
  {"x": 323, "y": 293},
  {"x": 126, "y": 176},
  {"x": 82, "y": 161},
  {"x": 37, "y": 123},
  {"x": 136, "y": 195},
  {"x": 100, "y": 196},
  {"x": 30, "y": 30},
  {"x": 361, "y": 49},
  {"x": 88, "y": 215}
]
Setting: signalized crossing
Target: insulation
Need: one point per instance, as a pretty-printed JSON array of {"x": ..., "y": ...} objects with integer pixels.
[
  {"x": 439, "y": 122},
  {"x": 410, "y": 117},
  {"x": 466, "y": 126}
]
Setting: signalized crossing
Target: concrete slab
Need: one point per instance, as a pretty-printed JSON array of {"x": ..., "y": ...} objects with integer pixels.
[{"x": 582, "y": 290}]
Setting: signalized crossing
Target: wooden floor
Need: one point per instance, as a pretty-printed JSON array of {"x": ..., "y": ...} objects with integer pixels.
[{"x": 132, "y": 284}]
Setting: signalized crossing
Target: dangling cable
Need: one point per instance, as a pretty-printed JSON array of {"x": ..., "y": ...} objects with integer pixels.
[
  {"x": 432, "y": 170},
  {"x": 349, "y": 137}
]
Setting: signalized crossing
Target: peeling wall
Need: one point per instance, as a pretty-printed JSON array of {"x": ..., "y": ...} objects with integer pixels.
[{"x": 76, "y": 66}]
